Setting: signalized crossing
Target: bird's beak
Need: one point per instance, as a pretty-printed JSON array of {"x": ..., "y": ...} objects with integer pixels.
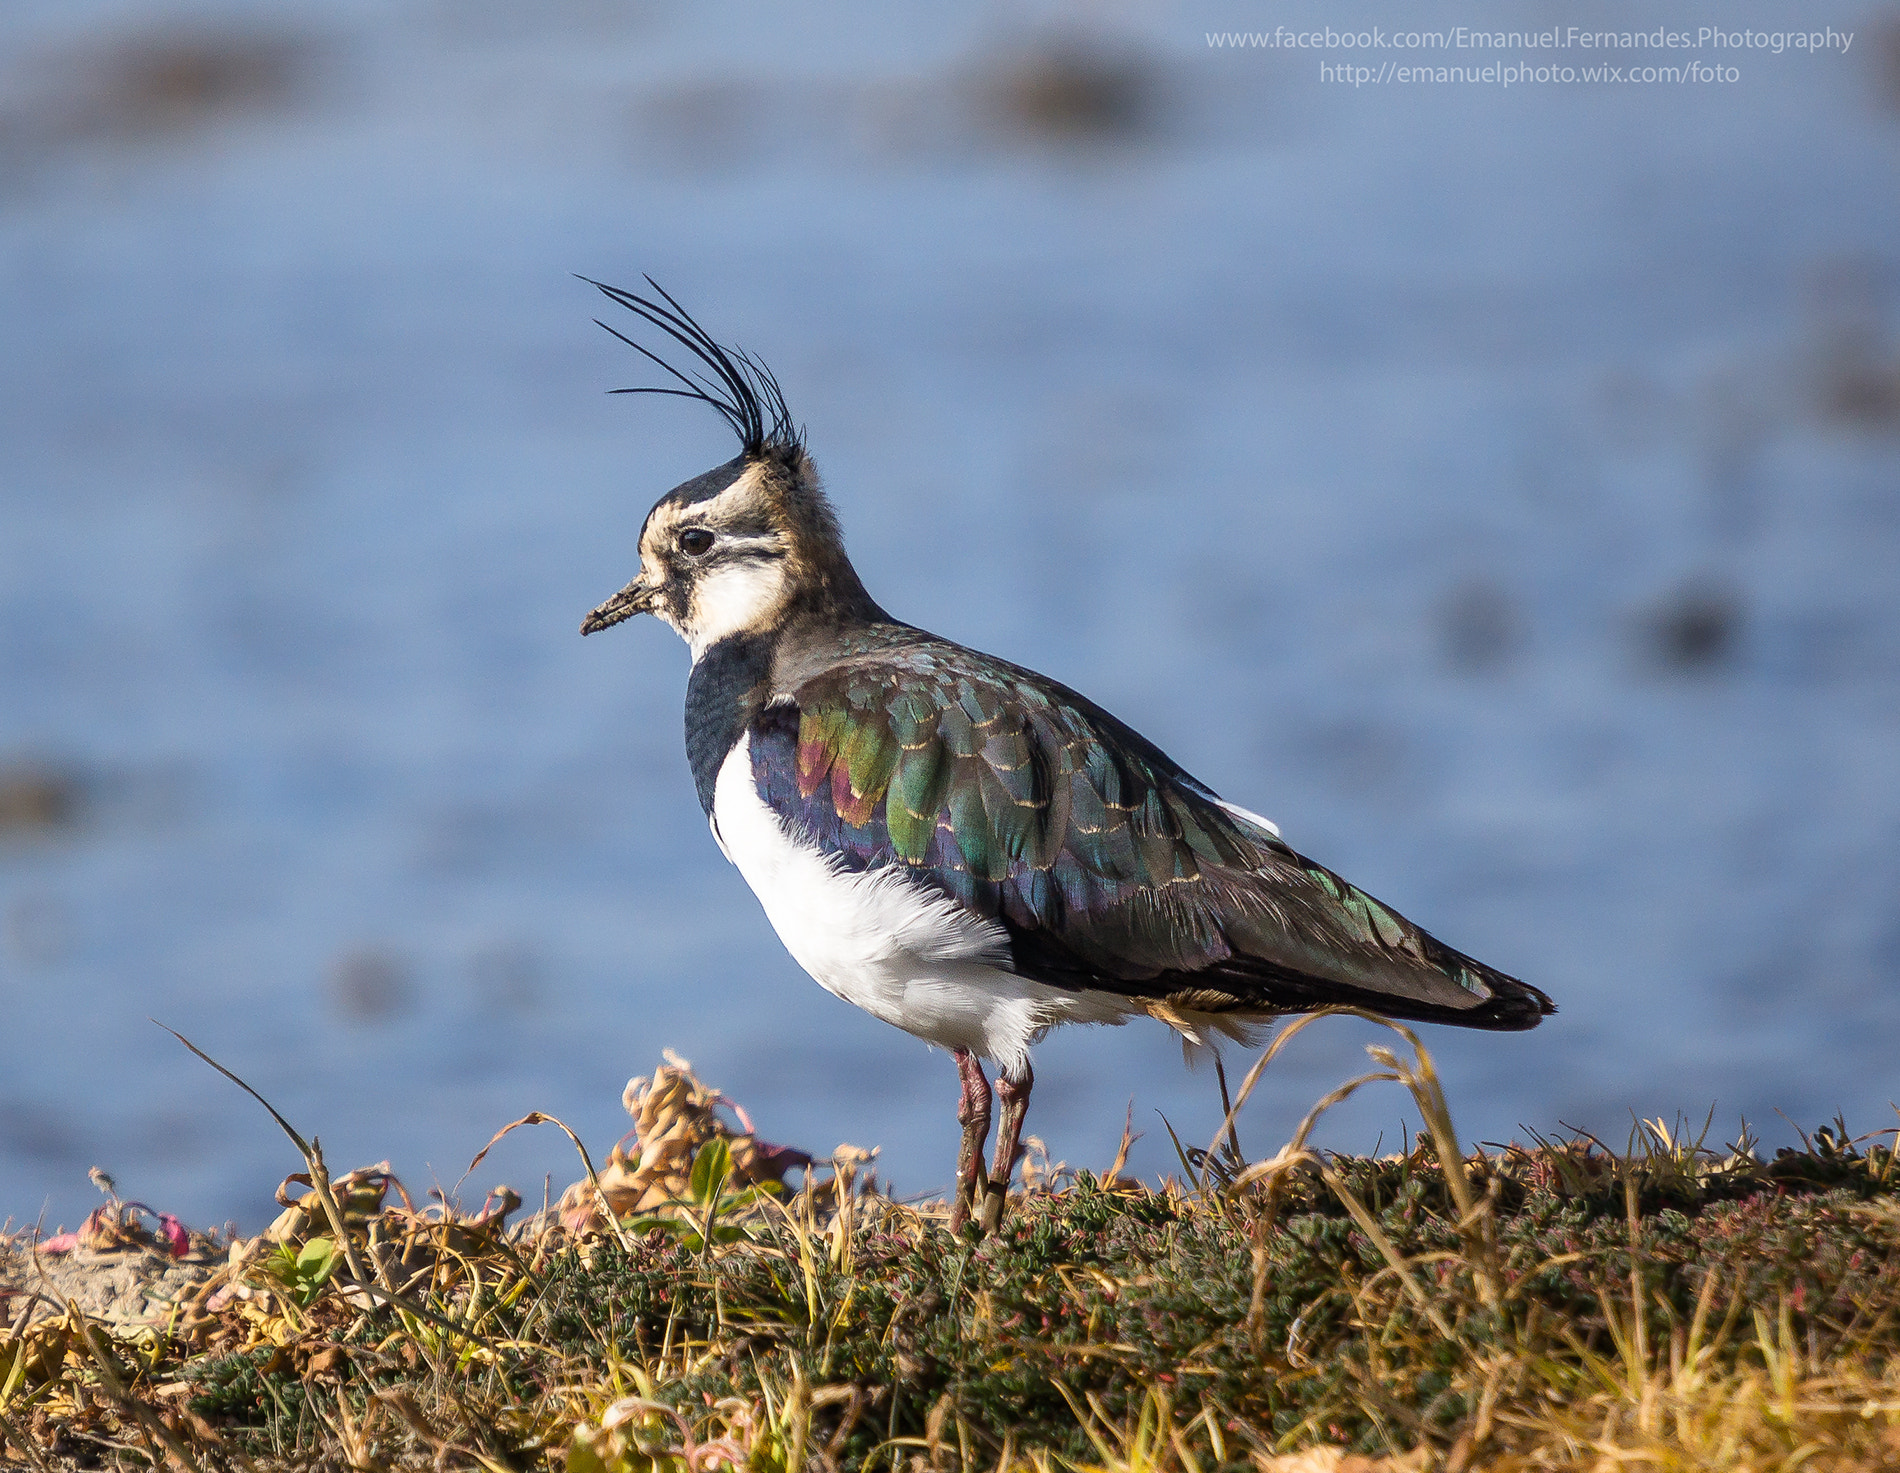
[{"x": 636, "y": 598}]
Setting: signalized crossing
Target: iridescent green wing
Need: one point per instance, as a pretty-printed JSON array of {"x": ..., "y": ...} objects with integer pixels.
[{"x": 1108, "y": 865}]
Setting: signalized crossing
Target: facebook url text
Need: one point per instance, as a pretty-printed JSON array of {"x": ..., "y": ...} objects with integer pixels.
[{"x": 1569, "y": 38}]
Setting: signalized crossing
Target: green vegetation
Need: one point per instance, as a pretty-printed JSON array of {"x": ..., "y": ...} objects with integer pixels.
[{"x": 1550, "y": 1306}]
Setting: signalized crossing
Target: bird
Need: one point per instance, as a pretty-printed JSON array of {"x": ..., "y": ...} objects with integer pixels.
[{"x": 964, "y": 848}]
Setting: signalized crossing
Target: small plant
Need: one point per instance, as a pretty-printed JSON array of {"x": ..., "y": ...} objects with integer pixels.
[
  {"x": 710, "y": 1209},
  {"x": 302, "y": 1272}
]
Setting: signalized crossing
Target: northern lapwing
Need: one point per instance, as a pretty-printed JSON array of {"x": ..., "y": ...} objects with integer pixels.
[{"x": 962, "y": 847}]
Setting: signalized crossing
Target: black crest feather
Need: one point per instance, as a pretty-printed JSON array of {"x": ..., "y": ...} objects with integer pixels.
[{"x": 740, "y": 387}]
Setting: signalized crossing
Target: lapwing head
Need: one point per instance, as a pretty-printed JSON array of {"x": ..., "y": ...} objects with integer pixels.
[{"x": 747, "y": 547}]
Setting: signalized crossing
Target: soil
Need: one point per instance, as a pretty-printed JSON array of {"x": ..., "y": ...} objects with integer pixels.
[{"x": 123, "y": 1286}]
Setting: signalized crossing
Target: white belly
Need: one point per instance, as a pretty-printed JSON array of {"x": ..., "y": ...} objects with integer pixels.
[{"x": 880, "y": 939}]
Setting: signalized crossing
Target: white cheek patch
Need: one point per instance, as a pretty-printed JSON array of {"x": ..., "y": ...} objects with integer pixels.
[{"x": 727, "y": 600}]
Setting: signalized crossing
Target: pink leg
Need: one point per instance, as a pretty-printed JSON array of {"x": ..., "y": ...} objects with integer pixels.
[
  {"x": 1014, "y": 1094},
  {"x": 973, "y": 1114}
]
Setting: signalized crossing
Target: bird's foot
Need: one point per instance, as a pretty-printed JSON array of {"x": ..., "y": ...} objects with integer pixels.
[{"x": 974, "y": 1195}]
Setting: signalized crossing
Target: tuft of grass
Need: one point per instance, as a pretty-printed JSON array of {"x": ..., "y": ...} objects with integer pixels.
[{"x": 1545, "y": 1305}]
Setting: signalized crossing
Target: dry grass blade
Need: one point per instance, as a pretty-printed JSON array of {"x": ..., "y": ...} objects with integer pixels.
[
  {"x": 313, "y": 1162},
  {"x": 1420, "y": 1078},
  {"x": 1286, "y": 1035},
  {"x": 333, "y": 1210},
  {"x": 540, "y": 1117},
  {"x": 1369, "y": 1225},
  {"x": 1295, "y": 1152}
]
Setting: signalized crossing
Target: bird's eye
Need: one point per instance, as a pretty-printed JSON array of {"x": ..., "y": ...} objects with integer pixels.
[{"x": 695, "y": 540}]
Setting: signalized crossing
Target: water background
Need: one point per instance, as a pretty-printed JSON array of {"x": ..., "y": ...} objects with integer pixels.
[{"x": 1498, "y": 487}]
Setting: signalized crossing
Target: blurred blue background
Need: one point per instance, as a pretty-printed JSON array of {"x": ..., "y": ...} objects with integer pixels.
[{"x": 1500, "y": 488}]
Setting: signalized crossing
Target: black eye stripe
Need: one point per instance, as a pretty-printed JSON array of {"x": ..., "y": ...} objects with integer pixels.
[{"x": 750, "y": 555}]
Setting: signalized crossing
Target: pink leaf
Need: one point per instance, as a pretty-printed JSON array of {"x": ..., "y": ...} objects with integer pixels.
[
  {"x": 64, "y": 1243},
  {"x": 173, "y": 1232}
]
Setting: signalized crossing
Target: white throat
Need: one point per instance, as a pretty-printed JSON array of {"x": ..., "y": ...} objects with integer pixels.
[{"x": 730, "y": 600}]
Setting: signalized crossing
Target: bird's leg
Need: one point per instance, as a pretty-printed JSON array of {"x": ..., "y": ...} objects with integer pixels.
[
  {"x": 1014, "y": 1094},
  {"x": 973, "y": 1114}
]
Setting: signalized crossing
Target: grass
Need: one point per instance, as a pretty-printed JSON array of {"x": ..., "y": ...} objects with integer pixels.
[{"x": 1553, "y": 1305}]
